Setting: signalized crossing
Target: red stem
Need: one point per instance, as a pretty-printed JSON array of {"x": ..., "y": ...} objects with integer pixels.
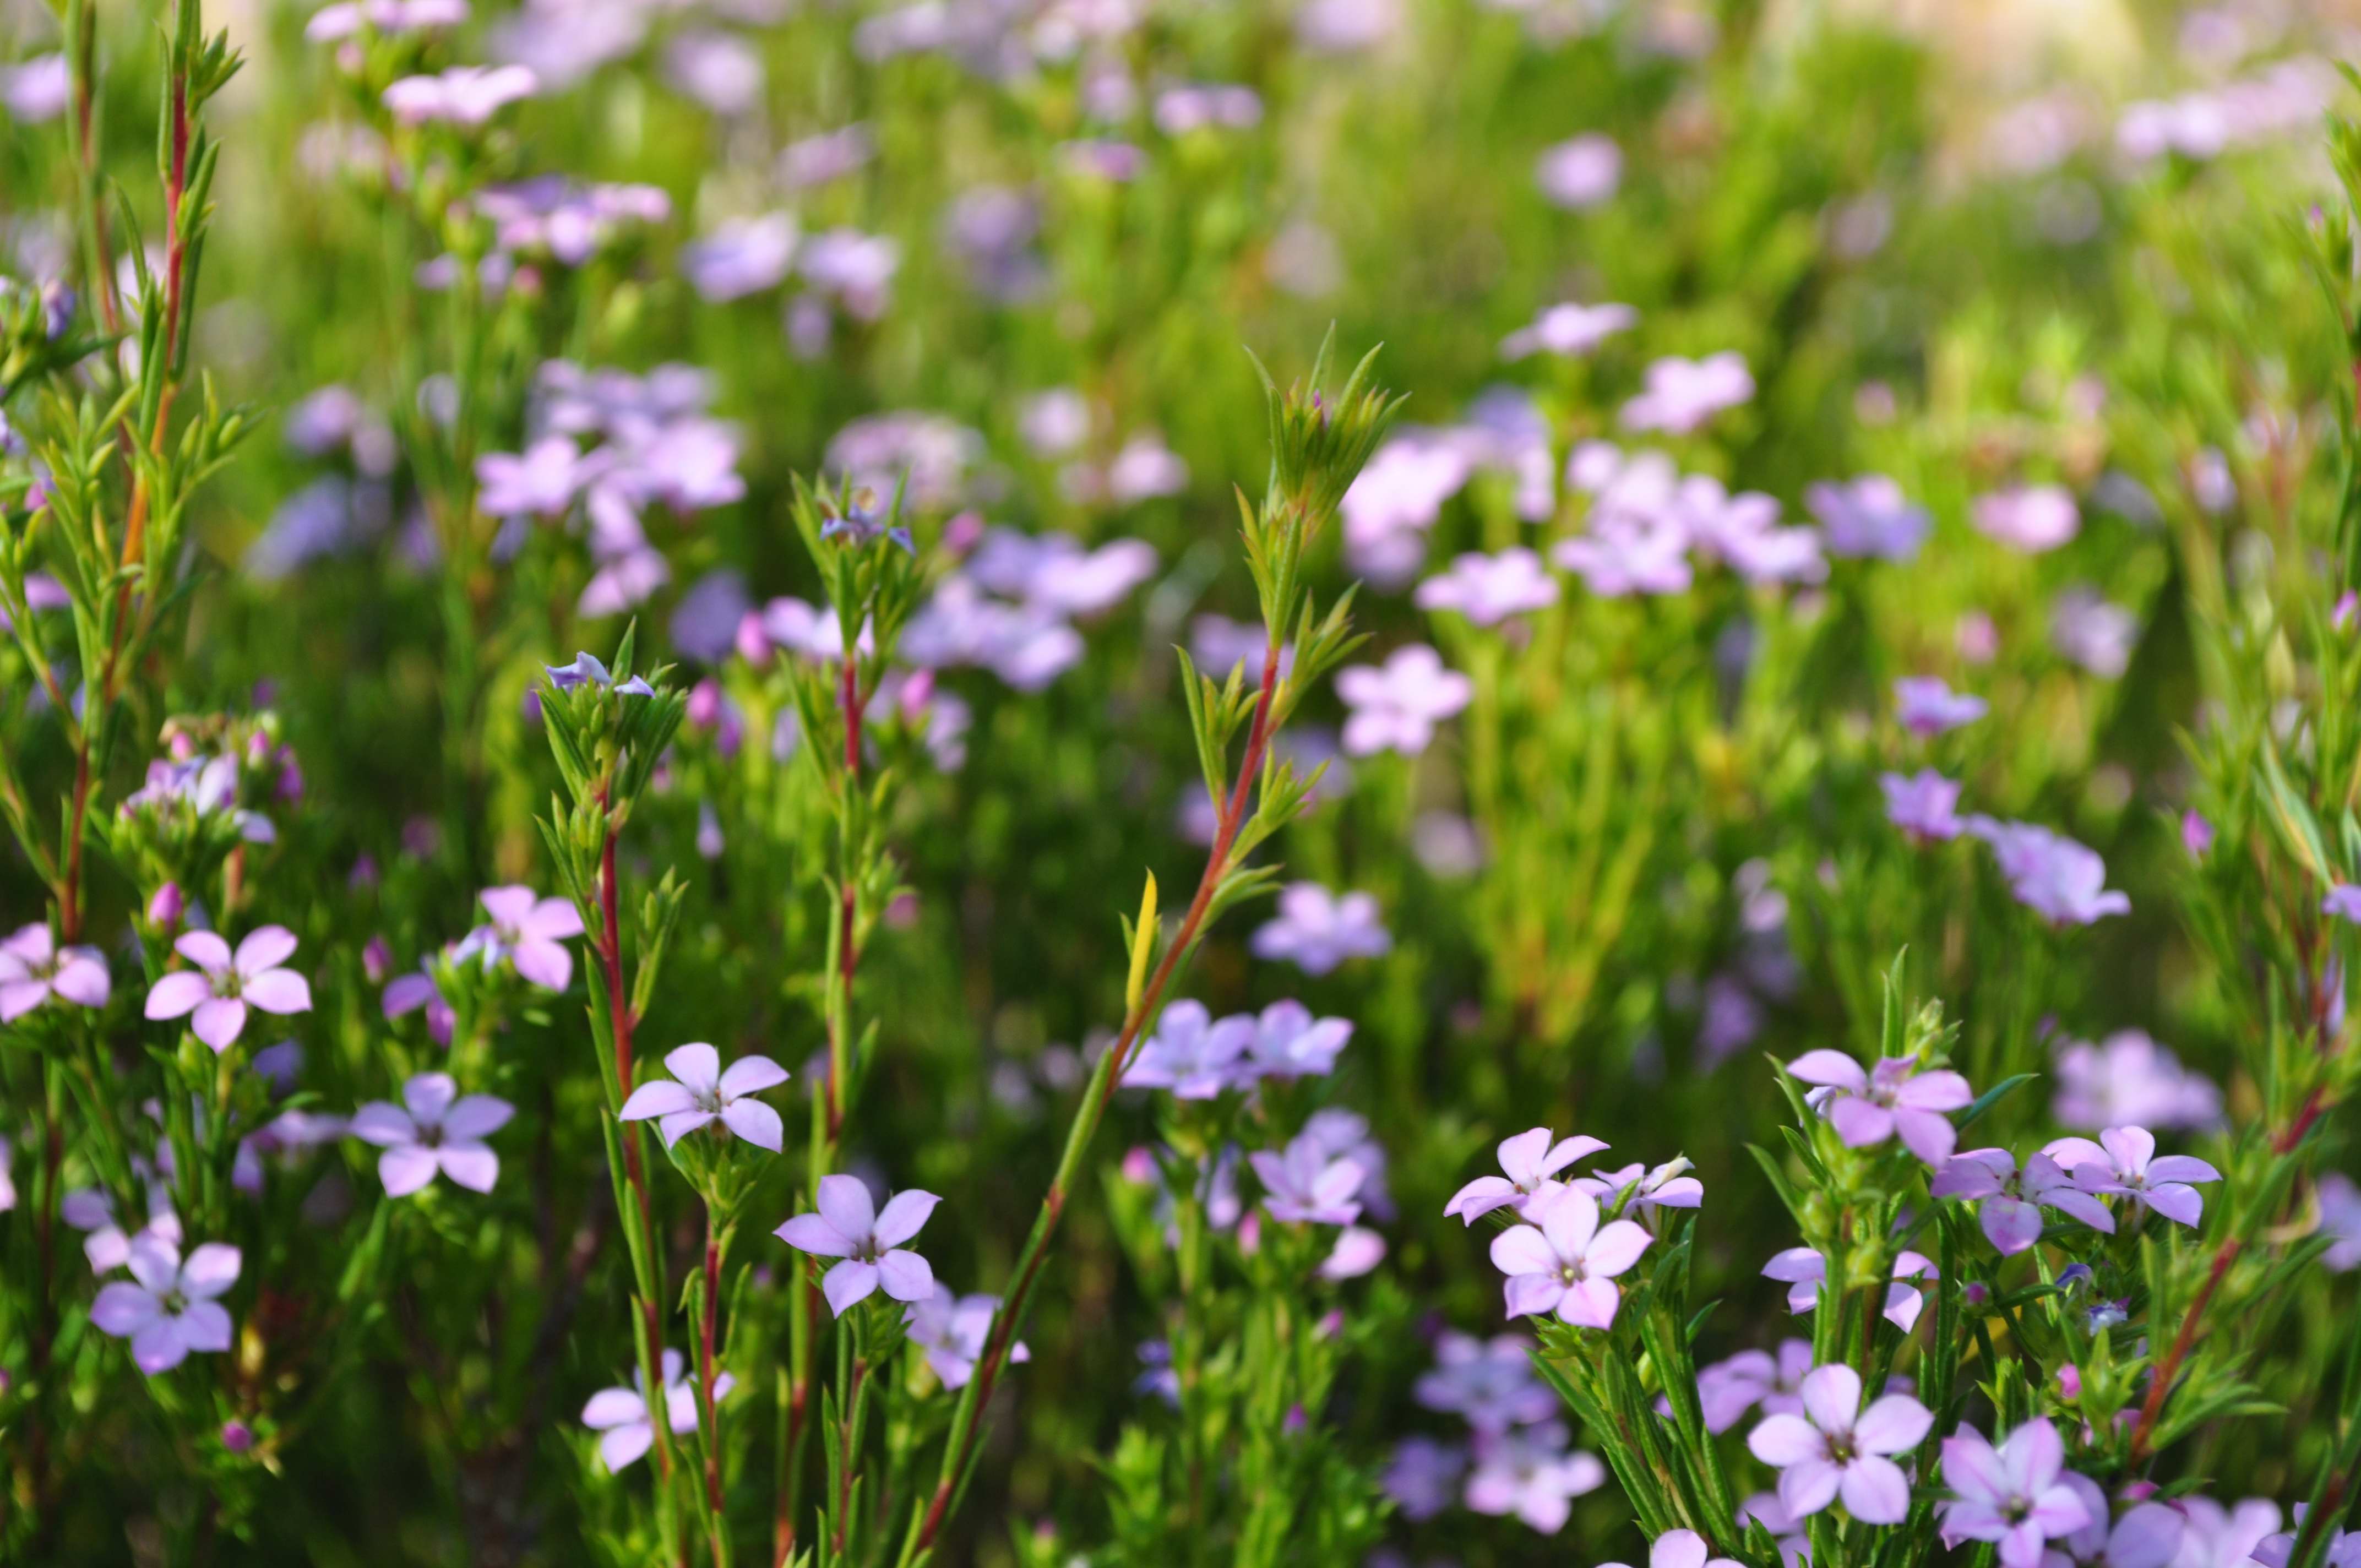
[
  {"x": 618, "y": 1012},
  {"x": 707, "y": 1335}
]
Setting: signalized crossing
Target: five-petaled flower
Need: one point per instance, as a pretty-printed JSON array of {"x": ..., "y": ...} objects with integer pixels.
[
  {"x": 2013, "y": 1200},
  {"x": 1190, "y": 1054},
  {"x": 849, "y": 1226},
  {"x": 1563, "y": 1261},
  {"x": 951, "y": 1329},
  {"x": 1317, "y": 929},
  {"x": 2013, "y": 1494},
  {"x": 620, "y": 1416},
  {"x": 441, "y": 1130},
  {"x": 168, "y": 1307},
  {"x": 2124, "y": 1163},
  {"x": 1530, "y": 1163},
  {"x": 33, "y": 968},
  {"x": 1834, "y": 1448},
  {"x": 224, "y": 985},
  {"x": 700, "y": 1092},
  {"x": 1895, "y": 1096},
  {"x": 1304, "y": 1184},
  {"x": 1680, "y": 1549},
  {"x": 529, "y": 930}
]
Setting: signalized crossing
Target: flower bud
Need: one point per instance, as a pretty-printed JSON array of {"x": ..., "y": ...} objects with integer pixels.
[
  {"x": 165, "y": 908},
  {"x": 236, "y": 1436}
]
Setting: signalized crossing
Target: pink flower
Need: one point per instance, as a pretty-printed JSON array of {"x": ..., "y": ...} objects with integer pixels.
[
  {"x": 1316, "y": 930},
  {"x": 1835, "y": 1448},
  {"x": 2013, "y": 1201},
  {"x": 1680, "y": 1549},
  {"x": 1528, "y": 1472},
  {"x": 1303, "y": 1184},
  {"x": 1530, "y": 1161},
  {"x": 699, "y": 1091},
  {"x": 1803, "y": 1270},
  {"x": 530, "y": 930},
  {"x": 1927, "y": 707},
  {"x": 2012, "y": 1495},
  {"x": 1728, "y": 1389},
  {"x": 464, "y": 94},
  {"x": 1490, "y": 1384},
  {"x": 171, "y": 1309},
  {"x": 2148, "y": 1536},
  {"x": 440, "y": 1131},
  {"x": 2123, "y": 1161},
  {"x": 849, "y": 1226},
  {"x": 1566, "y": 1262},
  {"x": 1191, "y": 1054},
  {"x": 1867, "y": 1108},
  {"x": 409, "y": 992},
  {"x": 952, "y": 1330},
  {"x": 32, "y": 970},
  {"x": 1681, "y": 394},
  {"x": 223, "y": 986},
  {"x": 1395, "y": 706},
  {"x": 2033, "y": 518},
  {"x": 620, "y": 1415}
]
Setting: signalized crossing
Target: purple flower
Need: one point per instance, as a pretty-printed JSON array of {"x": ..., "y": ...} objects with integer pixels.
[
  {"x": 2012, "y": 1199},
  {"x": 699, "y": 1091},
  {"x": 222, "y": 985},
  {"x": 2123, "y": 1162},
  {"x": 587, "y": 670},
  {"x": 1303, "y": 1184},
  {"x": 2012, "y": 1495},
  {"x": 1868, "y": 517},
  {"x": 1569, "y": 329},
  {"x": 849, "y": 1226},
  {"x": 1765, "y": 1509},
  {"x": 1680, "y": 1549},
  {"x": 2063, "y": 882},
  {"x": 1289, "y": 1043},
  {"x": 1316, "y": 930},
  {"x": 1681, "y": 394},
  {"x": 2277, "y": 1551},
  {"x": 1927, "y": 706},
  {"x": 441, "y": 1130},
  {"x": 1528, "y": 1162},
  {"x": 2089, "y": 632},
  {"x": 952, "y": 1330},
  {"x": 530, "y": 930},
  {"x": 1191, "y": 1055},
  {"x": 2196, "y": 835},
  {"x": 1566, "y": 1263},
  {"x": 1667, "y": 1186},
  {"x": 463, "y": 95},
  {"x": 33, "y": 968},
  {"x": 1834, "y": 1448},
  {"x": 1423, "y": 1476},
  {"x": 541, "y": 482},
  {"x": 409, "y": 992},
  {"x": 1895, "y": 1096},
  {"x": 1489, "y": 589},
  {"x": 2340, "y": 1216},
  {"x": 741, "y": 256},
  {"x": 168, "y": 1307},
  {"x": 1580, "y": 173},
  {"x": 1530, "y": 1474},
  {"x": 2148, "y": 1536},
  {"x": 2033, "y": 518},
  {"x": 1490, "y": 1384},
  {"x": 1922, "y": 805},
  {"x": 621, "y": 1418},
  {"x": 2215, "y": 1536},
  {"x": 2344, "y": 901},
  {"x": 1397, "y": 706},
  {"x": 1803, "y": 1270},
  {"x": 1728, "y": 1389},
  {"x": 2128, "y": 1077}
]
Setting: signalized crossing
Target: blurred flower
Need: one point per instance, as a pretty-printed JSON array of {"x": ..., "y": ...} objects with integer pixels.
[
  {"x": 2031, "y": 518},
  {"x": 1580, "y": 173},
  {"x": 1341, "y": 26},
  {"x": 2215, "y": 1536},
  {"x": 530, "y": 930},
  {"x": 1528, "y": 1472},
  {"x": 2196, "y": 835},
  {"x": 621, "y": 1418},
  {"x": 1316, "y": 930},
  {"x": 2128, "y": 1077},
  {"x": 1927, "y": 707},
  {"x": 848, "y": 1226},
  {"x": 36, "y": 89},
  {"x": 541, "y": 483},
  {"x": 1868, "y": 517},
  {"x": 1190, "y": 1054},
  {"x": 2056, "y": 878},
  {"x": 2344, "y": 901},
  {"x": 2148, "y": 1536},
  {"x": 1489, "y": 589},
  {"x": 33, "y": 968},
  {"x": 1681, "y": 394},
  {"x": 1188, "y": 107},
  {"x": 1422, "y": 1477},
  {"x": 224, "y": 985},
  {"x": 952, "y": 1330},
  {"x": 1303, "y": 1184},
  {"x": 741, "y": 256},
  {"x": 168, "y": 1307},
  {"x": 1681, "y": 1548},
  {"x": 1804, "y": 1270},
  {"x": 1563, "y": 1261},
  {"x": 436, "y": 1129},
  {"x": 463, "y": 95},
  {"x": 1397, "y": 706},
  {"x": 1834, "y": 1448},
  {"x": 1922, "y": 804},
  {"x": 1569, "y": 330},
  {"x": 1359, "y": 1250},
  {"x": 2014, "y": 1495},
  {"x": 1490, "y": 1384},
  {"x": 1289, "y": 1043},
  {"x": 700, "y": 1092},
  {"x": 2089, "y": 632},
  {"x": 1728, "y": 1389},
  {"x": 2340, "y": 1216},
  {"x": 720, "y": 71}
]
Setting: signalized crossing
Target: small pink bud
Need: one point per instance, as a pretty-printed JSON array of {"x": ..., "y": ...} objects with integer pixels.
[
  {"x": 1138, "y": 1165},
  {"x": 364, "y": 873},
  {"x": 963, "y": 532},
  {"x": 1250, "y": 1234},
  {"x": 1975, "y": 1293},
  {"x": 754, "y": 642},
  {"x": 2069, "y": 1382},
  {"x": 1979, "y": 638},
  {"x": 238, "y": 1437},
  {"x": 2196, "y": 835},
  {"x": 704, "y": 703},
  {"x": 377, "y": 959},
  {"x": 902, "y": 912},
  {"x": 1330, "y": 1325},
  {"x": 2347, "y": 610},
  {"x": 166, "y": 907}
]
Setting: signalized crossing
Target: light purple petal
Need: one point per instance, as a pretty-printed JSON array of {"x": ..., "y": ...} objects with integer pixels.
[
  {"x": 1859, "y": 1123},
  {"x": 697, "y": 1065},
  {"x": 1615, "y": 1248},
  {"x": 206, "y": 1325},
  {"x": 2010, "y": 1226},
  {"x": 1591, "y": 1303},
  {"x": 757, "y": 1123},
  {"x": 552, "y": 920},
  {"x": 405, "y": 1168},
  {"x": 158, "y": 1347},
  {"x": 1892, "y": 1424},
  {"x": 1521, "y": 1249},
  {"x": 612, "y": 1408},
  {"x": 475, "y": 1116},
  {"x": 905, "y": 1275},
  {"x": 1927, "y": 1133},
  {"x": 1532, "y": 1295},
  {"x": 657, "y": 1097},
  {"x": 543, "y": 963},
  {"x": 204, "y": 950},
  {"x": 123, "y": 1309},
  {"x": 383, "y": 1124},
  {"x": 2183, "y": 1205},
  {"x": 178, "y": 993},
  {"x": 1833, "y": 1395},
  {"x": 845, "y": 1203},
  {"x": 904, "y": 1216},
  {"x": 809, "y": 1233},
  {"x": 473, "y": 1166},
  {"x": 1808, "y": 1487},
  {"x": 677, "y": 1124},
  {"x": 266, "y": 948},
  {"x": 751, "y": 1075},
  {"x": 848, "y": 1283},
  {"x": 1832, "y": 1069},
  {"x": 1784, "y": 1440},
  {"x": 219, "y": 1021},
  {"x": 511, "y": 905},
  {"x": 83, "y": 979},
  {"x": 210, "y": 1270},
  {"x": 625, "y": 1444},
  {"x": 1875, "y": 1491}
]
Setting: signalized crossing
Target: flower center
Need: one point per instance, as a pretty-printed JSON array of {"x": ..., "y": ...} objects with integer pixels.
[
  {"x": 1570, "y": 1273},
  {"x": 1840, "y": 1446}
]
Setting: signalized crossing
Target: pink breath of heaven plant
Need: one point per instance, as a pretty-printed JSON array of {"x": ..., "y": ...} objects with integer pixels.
[
  {"x": 1488, "y": 1383},
  {"x": 1530, "y": 1474},
  {"x": 621, "y": 1420},
  {"x": 1894, "y": 1097},
  {"x": 1563, "y": 1261},
  {"x": 224, "y": 985},
  {"x": 701, "y": 1092},
  {"x": 33, "y": 968},
  {"x": 1803, "y": 1270},
  {"x": 1316, "y": 930},
  {"x": 849, "y": 1226},
  {"x": 1303, "y": 1184},
  {"x": 2013, "y": 1496},
  {"x": 1191, "y": 1054},
  {"x": 1528, "y": 1163},
  {"x": 2124, "y": 1163},
  {"x": 1924, "y": 805},
  {"x": 2148, "y": 1536},
  {"x": 168, "y": 1307},
  {"x": 1680, "y": 1549},
  {"x": 1927, "y": 707},
  {"x": 1751, "y": 1378},
  {"x": 1834, "y": 1448},
  {"x": 951, "y": 1329},
  {"x": 439, "y": 1131},
  {"x": 531, "y": 931},
  {"x": 2010, "y": 1200},
  {"x": 1395, "y": 706}
]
